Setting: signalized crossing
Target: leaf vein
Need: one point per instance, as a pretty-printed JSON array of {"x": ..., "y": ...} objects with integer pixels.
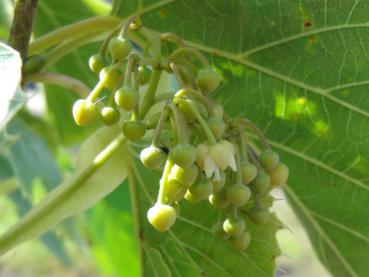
[{"x": 320, "y": 231}]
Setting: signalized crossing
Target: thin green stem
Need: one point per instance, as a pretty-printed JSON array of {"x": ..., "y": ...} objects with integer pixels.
[
  {"x": 105, "y": 44},
  {"x": 181, "y": 125},
  {"x": 164, "y": 181},
  {"x": 135, "y": 113},
  {"x": 248, "y": 124},
  {"x": 159, "y": 127},
  {"x": 251, "y": 155},
  {"x": 199, "y": 96},
  {"x": 177, "y": 74},
  {"x": 199, "y": 118},
  {"x": 96, "y": 91},
  {"x": 243, "y": 145},
  {"x": 194, "y": 52},
  {"x": 238, "y": 163},
  {"x": 136, "y": 213},
  {"x": 149, "y": 96},
  {"x": 72, "y": 31},
  {"x": 132, "y": 19},
  {"x": 68, "y": 47},
  {"x": 60, "y": 80},
  {"x": 128, "y": 73},
  {"x": 173, "y": 38}
]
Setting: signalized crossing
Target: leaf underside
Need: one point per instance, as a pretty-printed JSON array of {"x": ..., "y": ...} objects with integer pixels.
[{"x": 299, "y": 69}]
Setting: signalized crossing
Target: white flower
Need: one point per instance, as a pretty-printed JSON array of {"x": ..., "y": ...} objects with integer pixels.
[{"x": 212, "y": 158}]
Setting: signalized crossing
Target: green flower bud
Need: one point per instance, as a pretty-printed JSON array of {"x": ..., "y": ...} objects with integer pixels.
[
  {"x": 185, "y": 176},
  {"x": 249, "y": 172},
  {"x": 208, "y": 80},
  {"x": 96, "y": 63},
  {"x": 218, "y": 231},
  {"x": 268, "y": 160},
  {"x": 110, "y": 76},
  {"x": 234, "y": 227},
  {"x": 199, "y": 191},
  {"x": 84, "y": 112},
  {"x": 279, "y": 175},
  {"x": 259, "y": 214},
  {"x": 109, "y": 115},
  {"x": 238, "y": 195},
  {"x": 119, "y": 48},
  {"x": 153, "y": 157},
  {"x": 126, "y": 98},
  {"x": 240, "y": 243},
  {"x": 187, "y": 113},
  {"x": 143, "y": 75},
  {"x": 219, "y": 199},
  {"x": 174, "y": 191},
  {"x": 134, "y": 130},
  {"x": 260, "y": 183},
  {"x": 183, "y": 155},
  {"x": 217, "y": 127},
  {"x": 161, "y": 216}
]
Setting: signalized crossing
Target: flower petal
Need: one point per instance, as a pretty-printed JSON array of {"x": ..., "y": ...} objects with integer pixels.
[{"x": 209, "y": 166}]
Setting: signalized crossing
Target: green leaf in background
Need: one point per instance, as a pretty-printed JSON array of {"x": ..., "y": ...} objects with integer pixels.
[
  {"x": 10, "y": 73},
  {"x": 5, "y": 18},
  {"x": 31, "y": 159},
  {"x": 50, "y": 16},
  {"x": 23, "y": 204},
  {"x": 299, "y": 69},
  {"x": 110, "y": 229},
  {"x": 73, "y": 196}
]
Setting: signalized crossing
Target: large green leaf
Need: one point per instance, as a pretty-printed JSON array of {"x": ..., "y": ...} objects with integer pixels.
[{"x": 299, "y": 69}]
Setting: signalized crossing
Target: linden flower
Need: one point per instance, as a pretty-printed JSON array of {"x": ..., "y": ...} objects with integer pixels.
[{"x": 212, "y": 158}]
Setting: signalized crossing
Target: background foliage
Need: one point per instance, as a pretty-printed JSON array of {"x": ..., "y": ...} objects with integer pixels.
[{"x": 296, "y": 68}]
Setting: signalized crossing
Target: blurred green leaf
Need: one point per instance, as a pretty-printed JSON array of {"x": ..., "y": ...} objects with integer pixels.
[
  {"x": 112, "y": 235},
  {"x": 154, "y": 262},
  {"x": 73, "y": 196},
  {"x": 5, "y": 18},
  {"x": 299, "y": 69},
  {"x": 23, "y": 204},
  {"x": 31, "y": 159},
  {"x": 50, "y": 16},
  {"x": 49, "y": 239}
]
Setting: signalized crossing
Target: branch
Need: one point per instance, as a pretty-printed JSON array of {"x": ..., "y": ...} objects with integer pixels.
[{"x": 20, "y": 33}]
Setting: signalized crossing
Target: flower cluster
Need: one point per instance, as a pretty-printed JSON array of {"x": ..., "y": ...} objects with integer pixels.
[{"x": 203, "y": 153}]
